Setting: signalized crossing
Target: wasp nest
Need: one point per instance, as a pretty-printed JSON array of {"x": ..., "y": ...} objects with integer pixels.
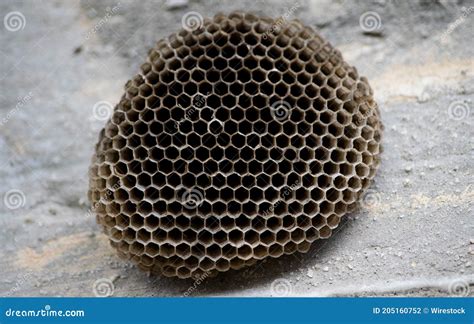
[{"x": 243, "y": 139}]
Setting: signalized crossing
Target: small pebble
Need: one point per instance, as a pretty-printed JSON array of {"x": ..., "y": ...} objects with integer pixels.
[
  {"x": 326, "y": 269},
  {"x": 423, "y": 97},
  {"x": 77, "y": 50},
  {"x": 176, "y": 4},
  {"x": 310, "y": 273}
]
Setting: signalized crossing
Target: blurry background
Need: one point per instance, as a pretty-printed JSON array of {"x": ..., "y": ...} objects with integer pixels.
[{"x": 64, "y": 64}]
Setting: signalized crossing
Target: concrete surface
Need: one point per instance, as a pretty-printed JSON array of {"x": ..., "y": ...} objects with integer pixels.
[{"x": 413, "y": 235}]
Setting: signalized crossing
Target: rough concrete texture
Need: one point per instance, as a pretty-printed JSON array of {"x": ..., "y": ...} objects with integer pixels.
[{"x": 413, "y": 235}]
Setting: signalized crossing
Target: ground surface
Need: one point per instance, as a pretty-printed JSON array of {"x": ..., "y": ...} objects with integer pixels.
[{"x": 415, "y": 236}]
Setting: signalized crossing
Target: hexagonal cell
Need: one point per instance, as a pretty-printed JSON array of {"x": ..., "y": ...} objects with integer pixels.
[
  {"x": 183, "y": 250},
  {"x": 143, "y": 235},
  {"x": 231, "y": 145},
  {"x": 152, "y": 249}
]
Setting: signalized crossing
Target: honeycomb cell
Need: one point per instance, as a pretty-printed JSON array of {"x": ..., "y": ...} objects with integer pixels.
[{"x": 235, "y": 142}]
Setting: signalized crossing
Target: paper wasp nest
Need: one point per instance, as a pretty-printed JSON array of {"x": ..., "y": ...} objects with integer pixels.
[{"x": 241, "y": 140}]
